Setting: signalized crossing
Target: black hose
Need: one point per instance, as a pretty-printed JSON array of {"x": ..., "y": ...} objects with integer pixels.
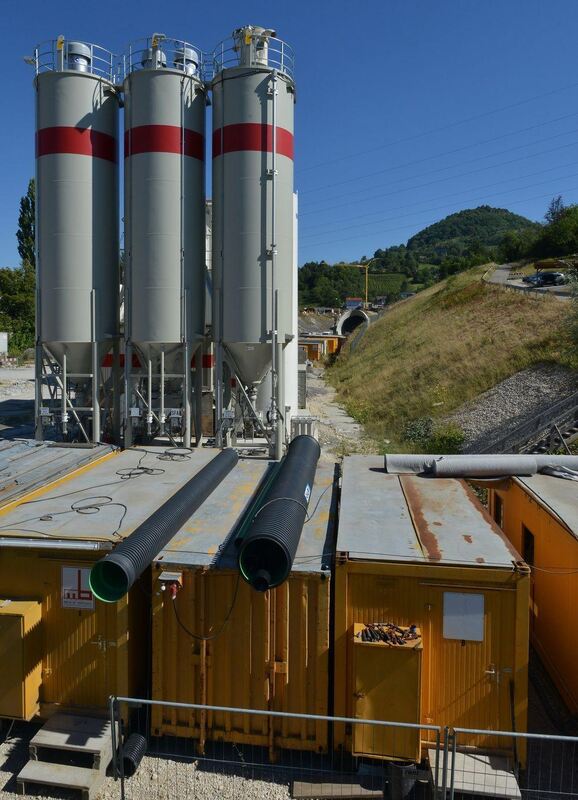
[
  {"x": 268, "y": 547},
  {"x": 132, "y": 753},
  {"x": 113, "y": 575}
]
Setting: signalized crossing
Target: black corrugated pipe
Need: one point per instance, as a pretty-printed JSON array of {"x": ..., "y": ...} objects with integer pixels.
[
  {"x": 113, "y": 575},
  {"x": 268, "y": 547}
]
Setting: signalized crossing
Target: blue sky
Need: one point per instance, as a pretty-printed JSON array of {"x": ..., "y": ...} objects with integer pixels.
[{"x": 407, "y": 110}]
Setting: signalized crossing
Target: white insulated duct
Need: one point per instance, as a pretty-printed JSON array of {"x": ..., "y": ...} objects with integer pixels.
[{"x": 476, "y": 466}]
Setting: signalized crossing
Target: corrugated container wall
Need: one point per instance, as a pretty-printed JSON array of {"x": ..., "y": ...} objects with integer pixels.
[
  {"x": 77, "y": 206},
  {"x": 253, "y": 106},
  {"x": 277, "y": 641},
  {"x": 165, "y": 198}
]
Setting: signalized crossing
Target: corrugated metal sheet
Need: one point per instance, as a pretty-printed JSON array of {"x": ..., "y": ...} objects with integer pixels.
[
  {"x": 86, "y": 654},
  {"x": 537, "y": 506},
  {"x": 278, "y": 641},
  {"x": 28, "y": 465},
  {"x": 104, "y": 502},
  {"x": 410, "y": 518}
]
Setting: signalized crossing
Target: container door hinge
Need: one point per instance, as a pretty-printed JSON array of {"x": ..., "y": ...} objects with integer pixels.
[{"x": 280, "y": 667}]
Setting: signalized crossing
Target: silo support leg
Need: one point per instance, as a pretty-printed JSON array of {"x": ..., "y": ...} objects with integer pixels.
[
  {"x": 198, "y": 400},
  {"x": 187, "y": 396},
  {"x": 39, "y": 433}
]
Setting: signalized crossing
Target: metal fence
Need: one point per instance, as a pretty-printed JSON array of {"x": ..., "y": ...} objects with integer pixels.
[
  {"x": 267, "y": 754},
  {"x": 200, "y": 751}
]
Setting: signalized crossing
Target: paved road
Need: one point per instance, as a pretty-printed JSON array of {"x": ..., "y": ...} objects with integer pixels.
[{"x": 501, "y": 274}]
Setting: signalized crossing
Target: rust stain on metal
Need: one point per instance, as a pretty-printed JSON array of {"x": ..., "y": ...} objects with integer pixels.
[
  {"x": 467, "y": 538},
  {"x": 426, "y": 536},
  {"x": 480, "y": 560}
]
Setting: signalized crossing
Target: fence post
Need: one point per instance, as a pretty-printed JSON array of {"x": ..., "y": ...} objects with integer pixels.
[
  {"x": 445, "y": 762},
  {"x": 112, "y": 712},
  {"x": 453, "y": 738}
]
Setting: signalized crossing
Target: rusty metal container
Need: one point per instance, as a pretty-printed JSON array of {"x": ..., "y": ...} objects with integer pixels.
[
  {"x": 218, "y": 629},
  {"x": 420, "y": 551}
]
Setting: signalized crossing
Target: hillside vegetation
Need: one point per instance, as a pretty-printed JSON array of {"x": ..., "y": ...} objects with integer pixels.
[
  {"x": 430, "y": 354},
  {"x": 455, "y": 243}
]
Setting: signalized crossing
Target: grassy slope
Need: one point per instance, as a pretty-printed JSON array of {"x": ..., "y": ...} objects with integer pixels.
[{"x": 430, "y": 354}]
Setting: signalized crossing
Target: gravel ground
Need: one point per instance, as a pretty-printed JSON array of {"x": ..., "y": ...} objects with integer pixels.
[
  {"x": 338, "y": 433},
  {"x": 16, "y": 383},
  {"x": 513, "y": 401}
]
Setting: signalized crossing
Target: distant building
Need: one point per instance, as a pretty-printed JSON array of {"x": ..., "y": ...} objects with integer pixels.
[{"x": 353, "y": 302}]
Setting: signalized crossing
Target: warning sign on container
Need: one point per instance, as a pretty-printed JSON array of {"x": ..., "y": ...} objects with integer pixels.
[{"x": 76, "y": 589}]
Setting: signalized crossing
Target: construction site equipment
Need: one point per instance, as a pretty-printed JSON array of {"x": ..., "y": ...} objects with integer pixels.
[
  {"x": 422, "y": 551},
  {"x": 269, "y": 544},
  {"x": 164, "y": 202},
  {"x": 113, "y": 576},
  {"x": 77, "y": 321},
  {"x": 253, "y": 227},
  {"x": 539, "y": 516},
  {"x": 210, "y": 627}
]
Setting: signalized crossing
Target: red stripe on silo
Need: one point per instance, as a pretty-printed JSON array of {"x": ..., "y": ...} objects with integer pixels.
[
  {"x": 251, "y": 136},
  {"x": 164, "y": 139},
  {"x": 75, "y": 141}
]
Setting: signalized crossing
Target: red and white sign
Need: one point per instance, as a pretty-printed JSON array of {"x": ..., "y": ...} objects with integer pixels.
[{"x": 76, "y": 589}]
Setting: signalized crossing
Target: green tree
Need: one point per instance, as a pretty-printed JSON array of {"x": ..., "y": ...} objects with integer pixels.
[{"x": 26, "y": 227}]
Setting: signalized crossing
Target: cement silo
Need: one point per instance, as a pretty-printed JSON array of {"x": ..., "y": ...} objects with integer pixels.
[
  {"x": 165, "y": 102},
  {"x": 76, "y": 240},
  {"x": 253, "y": 109}
]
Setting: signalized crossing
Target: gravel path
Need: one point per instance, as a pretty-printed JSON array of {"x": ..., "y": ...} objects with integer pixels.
[
  {"x": 338, "y": 433},
  {"x": 495, "y": 412}
]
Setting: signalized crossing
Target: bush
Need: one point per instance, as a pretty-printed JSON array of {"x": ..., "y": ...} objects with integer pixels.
[{"x": 447, "y": 438}]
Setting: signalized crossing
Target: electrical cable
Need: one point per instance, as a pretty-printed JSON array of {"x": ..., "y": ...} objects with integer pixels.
[
  {"x": 87, "y": 504},
  {"x": 209, "y": 637},
  {"x": 385, "y": 170},
  {"x": 464, "y": 121},
  {"x": 324, "y": 232}
]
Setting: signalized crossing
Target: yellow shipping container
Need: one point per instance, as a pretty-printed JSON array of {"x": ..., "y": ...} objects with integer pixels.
[
  {"x": 219, "y": 642},
  {"x": 424, "y": 552},
  {"x": 84, "y": 650},
  {"x": 539, "y": 516}
]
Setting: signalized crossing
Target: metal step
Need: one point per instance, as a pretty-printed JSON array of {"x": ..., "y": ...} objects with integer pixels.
[
  {"x": 73, "y": 733},
  {"x": 86, "y": 781}
]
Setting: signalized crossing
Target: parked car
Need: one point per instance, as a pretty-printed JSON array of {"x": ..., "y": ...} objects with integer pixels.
[{"x": 545, "y": 279}]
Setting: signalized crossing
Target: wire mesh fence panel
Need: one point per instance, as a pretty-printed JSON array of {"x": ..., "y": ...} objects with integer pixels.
[
  {"x": 245, "y": 755},
  {"x": 514, "y": 765}
]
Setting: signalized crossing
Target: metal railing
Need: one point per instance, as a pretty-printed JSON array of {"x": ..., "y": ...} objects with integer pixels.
[
  {"x": 522, "y": 765},
  {"x": 261, "y": 753},
  {"x": 162, "y": 52},
  {"x": 276, "y": 55},
  {"x": 55, "y": 56}
]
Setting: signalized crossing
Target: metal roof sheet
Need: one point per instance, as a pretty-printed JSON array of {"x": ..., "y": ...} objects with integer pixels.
[
  {"x": 26, "y": 465},
  {"x": 414, "y": 519},
  {"x": 558, "y": 495},
  {"x": 207, "y": 539},
  {"x": 106, "y": 502}
]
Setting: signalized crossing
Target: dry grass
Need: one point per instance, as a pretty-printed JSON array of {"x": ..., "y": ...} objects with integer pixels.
[{"x": 430, "y": 354}]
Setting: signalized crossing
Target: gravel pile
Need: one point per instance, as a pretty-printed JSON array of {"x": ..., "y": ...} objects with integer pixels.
[{"x": 512, "y": 402}]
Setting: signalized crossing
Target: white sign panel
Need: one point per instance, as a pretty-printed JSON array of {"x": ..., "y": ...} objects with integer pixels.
[
  {"x": 464, "y": 616},
  {"x": 76, "y": 589}
]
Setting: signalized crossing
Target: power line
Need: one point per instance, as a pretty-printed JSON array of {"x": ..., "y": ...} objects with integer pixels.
[
  {"x": 438, "y": 130},
  {"x": 441, "y": 197},
  {"x": 452, "y": 166},
  {"x": 412, "y": 225},
  {"x": 364, "y": 191},
  {"x": 431, "y": 183}
]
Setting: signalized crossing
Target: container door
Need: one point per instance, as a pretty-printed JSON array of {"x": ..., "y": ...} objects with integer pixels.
[
  {"x": 472, "y": 658},
  {"x": 11, "y": 658}
]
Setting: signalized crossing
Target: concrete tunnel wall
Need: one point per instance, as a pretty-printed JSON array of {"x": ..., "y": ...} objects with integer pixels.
[{"x": 351, "y": 320}]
